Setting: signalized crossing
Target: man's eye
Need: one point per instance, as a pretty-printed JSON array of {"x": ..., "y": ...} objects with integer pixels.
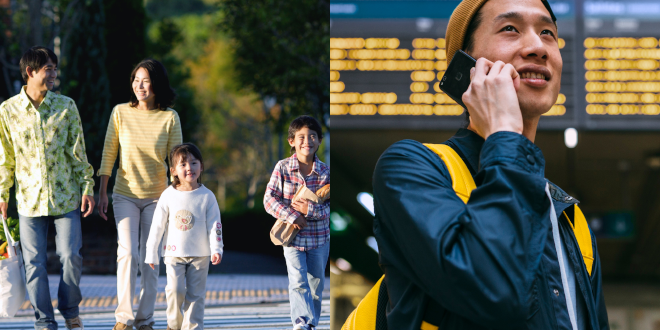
[
  {"x": 509, "y": 28},
  {"x": 548, "y": 32}
]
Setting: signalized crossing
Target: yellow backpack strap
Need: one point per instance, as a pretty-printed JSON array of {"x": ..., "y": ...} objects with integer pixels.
[
  {"x": 583, "y": 236},
  {"x": 461, "y": 177},
  {"x": 365, "y": 314}
]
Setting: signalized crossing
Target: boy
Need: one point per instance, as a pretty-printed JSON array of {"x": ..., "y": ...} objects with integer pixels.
[{"x": 308, "y": 253}]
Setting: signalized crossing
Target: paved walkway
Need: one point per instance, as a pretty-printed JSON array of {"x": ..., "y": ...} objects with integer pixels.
[
  {"x": 100, "y": 291},
  {"x": 271, "y": 316}
]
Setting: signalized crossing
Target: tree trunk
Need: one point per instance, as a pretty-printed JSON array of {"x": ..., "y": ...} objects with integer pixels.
[
  {"x": 252, "y": 190},
  {"x": 222, "y": 193},
  {"x": 36, "y": 30}
]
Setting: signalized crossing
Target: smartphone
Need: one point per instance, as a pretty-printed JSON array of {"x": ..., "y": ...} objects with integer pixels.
[{"x": 457, "y": 77}]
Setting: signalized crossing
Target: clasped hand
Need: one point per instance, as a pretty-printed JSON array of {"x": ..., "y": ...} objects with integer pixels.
[{"x": 491, "y": 98}]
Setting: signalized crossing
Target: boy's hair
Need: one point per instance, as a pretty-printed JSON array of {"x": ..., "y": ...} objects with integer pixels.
[
  {"x": 181, "y": 152},
  {"x": 304, "y": 121},
  {"x": 160, "y": 83},
  {"x": 35, "y": 58}
]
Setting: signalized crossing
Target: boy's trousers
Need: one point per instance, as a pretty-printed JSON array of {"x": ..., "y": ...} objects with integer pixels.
[{"x": 185, "y": 291}]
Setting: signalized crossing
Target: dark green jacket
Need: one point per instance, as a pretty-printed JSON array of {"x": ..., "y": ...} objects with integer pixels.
[{"x": 487, "y": 264}]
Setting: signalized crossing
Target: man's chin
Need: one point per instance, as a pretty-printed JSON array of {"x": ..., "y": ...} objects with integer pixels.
[{"x": 532, "y": 107}]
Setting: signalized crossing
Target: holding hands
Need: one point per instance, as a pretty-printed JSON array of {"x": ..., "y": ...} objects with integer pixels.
[{"x": 491, "y": 98}]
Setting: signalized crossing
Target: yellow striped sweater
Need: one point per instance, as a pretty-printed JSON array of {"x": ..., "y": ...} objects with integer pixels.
[{"x": 143, "y": 139}]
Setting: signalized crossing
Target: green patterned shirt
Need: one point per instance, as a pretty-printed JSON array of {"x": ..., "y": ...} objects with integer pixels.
[{"x": 45, "y": 149}]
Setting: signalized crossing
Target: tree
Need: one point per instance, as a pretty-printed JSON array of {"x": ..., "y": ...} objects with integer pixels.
[
  {"x": 125, "y": 36},
  {"x": 234, "y": 135},
  {"x": 84, "y": 76},
  {"x": 278, "y": 54}
]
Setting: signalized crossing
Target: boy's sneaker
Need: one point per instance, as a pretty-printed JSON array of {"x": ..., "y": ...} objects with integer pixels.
[
  {"x": 122, "y": 326},
  {"x": 74, "y": 324}
]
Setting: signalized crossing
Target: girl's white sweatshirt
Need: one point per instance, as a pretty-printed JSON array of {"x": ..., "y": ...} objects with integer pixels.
[{"x": 191, "y": 220}]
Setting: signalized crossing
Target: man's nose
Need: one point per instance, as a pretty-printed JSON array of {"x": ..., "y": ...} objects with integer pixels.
[{"x": 533, "y": 47}]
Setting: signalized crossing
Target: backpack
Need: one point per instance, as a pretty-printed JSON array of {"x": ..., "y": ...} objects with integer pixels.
[{"x": 370, "y": 314}]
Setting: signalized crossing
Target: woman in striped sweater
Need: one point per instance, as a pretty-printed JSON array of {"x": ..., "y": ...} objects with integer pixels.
[{"x": 142, "y": 132}]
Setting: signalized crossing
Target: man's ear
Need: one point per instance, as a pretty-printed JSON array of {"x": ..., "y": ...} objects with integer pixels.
[
  {"x": 29, "y": 71},
  {"x": 291, "y": 142}
]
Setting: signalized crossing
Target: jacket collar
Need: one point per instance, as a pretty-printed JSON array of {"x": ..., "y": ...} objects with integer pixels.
[{"x": 469, "y": 146}]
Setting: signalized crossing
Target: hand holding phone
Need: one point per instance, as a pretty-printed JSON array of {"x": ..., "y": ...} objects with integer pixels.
[{"x": 490, "y": 95}]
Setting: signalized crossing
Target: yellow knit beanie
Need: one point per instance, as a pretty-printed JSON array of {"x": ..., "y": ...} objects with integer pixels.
[
  {"x": 460, "y": 20},
  {"x": 458, "y": 24}
]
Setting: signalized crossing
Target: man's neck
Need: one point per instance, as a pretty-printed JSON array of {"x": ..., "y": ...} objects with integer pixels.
[
  {"x": 36, "y": 95},
  {"x": 529, "y": 127}
]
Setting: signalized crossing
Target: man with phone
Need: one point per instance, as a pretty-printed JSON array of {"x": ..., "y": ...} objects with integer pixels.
[{"x": 518, "y": 253}]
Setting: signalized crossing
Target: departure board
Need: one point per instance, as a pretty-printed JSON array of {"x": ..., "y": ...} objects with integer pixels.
[{"x": 387, "y": 58}]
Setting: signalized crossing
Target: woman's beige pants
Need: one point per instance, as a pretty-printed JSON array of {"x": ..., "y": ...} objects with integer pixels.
[{"x": 133, "y": 218}]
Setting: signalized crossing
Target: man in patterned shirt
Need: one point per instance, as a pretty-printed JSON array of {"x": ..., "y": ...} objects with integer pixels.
[
  {"x": 307, "y": 255},
  {"x": 43, "y": 148}
]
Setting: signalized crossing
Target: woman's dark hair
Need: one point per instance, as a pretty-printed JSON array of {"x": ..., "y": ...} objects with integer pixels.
[
  {"x": 35, "y": 58},
  {"x": 160, "y": 83},
  {"x": 181, "y": 152},
  {"x": 304, "y": 121},
  {"x": 468, "y": 45}
]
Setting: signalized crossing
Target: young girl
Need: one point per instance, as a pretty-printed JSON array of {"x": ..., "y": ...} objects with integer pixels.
[
  {"x": 307, "y": 255},
  {"x": 194, "y": 236}
]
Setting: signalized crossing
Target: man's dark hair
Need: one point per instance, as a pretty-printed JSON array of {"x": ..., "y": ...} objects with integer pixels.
[
  {"x": 468, "y": 41},
  {"x": 468, "y": 45},
  {"x": 180, "y": 153},
  {"x": 304, "y": 121},
  {"x": 35, "y": 58},
  {"x": 160, "y": 83}
]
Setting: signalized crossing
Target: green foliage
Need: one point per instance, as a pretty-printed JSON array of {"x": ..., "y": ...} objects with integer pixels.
[
  {"x": 84, "y": 77},
  {"x": 281, "y": 49},
  {"x": 171, "y": 8},
  {"x": 164, "y": 37}
]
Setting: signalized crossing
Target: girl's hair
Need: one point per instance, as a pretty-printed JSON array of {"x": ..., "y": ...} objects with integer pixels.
[
  {"x": 160, "y": 83},
  {"x": 181, "y": 152},
  {"x": 304, "y": 121}
]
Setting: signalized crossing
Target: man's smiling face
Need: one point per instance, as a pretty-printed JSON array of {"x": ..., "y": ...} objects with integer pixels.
[
  {"x": 43, "y": 78},
  {"x": 522, "y": 33}
]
